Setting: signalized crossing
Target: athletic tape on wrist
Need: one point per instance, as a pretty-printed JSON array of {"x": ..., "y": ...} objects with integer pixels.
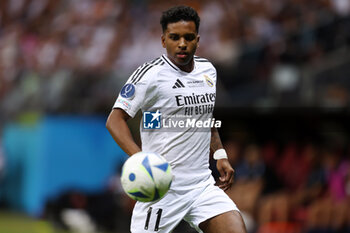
[{"x": 220, "y": 154}]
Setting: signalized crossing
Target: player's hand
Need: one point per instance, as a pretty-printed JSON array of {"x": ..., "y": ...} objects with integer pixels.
[{"x": 226, "y": 174}]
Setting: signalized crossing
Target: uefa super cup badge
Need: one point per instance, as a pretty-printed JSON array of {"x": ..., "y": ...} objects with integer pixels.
[{"x": 128, "y": 91}]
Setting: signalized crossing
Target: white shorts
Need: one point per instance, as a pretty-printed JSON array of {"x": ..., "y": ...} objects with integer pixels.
[{"x": 194, "y": 206}]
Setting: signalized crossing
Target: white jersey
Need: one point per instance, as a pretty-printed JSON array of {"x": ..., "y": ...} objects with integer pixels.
[{"x": 161, "y": 86}]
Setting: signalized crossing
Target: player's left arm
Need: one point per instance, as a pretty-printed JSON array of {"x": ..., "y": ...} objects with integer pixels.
[{"x": 223, "y": 165}]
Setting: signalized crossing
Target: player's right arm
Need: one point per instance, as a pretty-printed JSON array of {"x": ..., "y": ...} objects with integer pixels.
[
  {"x": 119, "y": 129},
  {"x": 133, "y": 96}
]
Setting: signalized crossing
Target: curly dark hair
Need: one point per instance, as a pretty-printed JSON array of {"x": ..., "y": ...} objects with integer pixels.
[{"x": 178, "y": 13}]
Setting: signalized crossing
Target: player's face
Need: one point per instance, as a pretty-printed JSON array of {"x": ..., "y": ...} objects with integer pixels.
[{"x": 181, "y": 41}]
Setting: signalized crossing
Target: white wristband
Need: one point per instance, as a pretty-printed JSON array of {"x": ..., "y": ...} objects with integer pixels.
[{"x": 220, "y": 154}]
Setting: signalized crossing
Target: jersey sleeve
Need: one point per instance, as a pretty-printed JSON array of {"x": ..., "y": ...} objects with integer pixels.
[{"x": 134, "y": 94}]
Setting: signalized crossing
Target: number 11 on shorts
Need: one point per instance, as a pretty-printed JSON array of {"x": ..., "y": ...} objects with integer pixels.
[{"x": 149, "y": 213}]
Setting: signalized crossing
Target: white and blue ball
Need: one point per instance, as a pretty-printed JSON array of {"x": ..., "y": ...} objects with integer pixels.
[{"x": 146, "y": 177}]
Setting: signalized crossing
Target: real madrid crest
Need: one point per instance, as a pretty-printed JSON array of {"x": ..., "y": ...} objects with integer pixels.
[{"x": 209, "y": 81}]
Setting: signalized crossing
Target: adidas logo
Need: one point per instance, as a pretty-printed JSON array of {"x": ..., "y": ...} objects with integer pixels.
[{"x": 178, "y": 84}]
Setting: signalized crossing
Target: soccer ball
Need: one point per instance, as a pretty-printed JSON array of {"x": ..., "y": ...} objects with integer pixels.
[{"x": 146, "y": 176}]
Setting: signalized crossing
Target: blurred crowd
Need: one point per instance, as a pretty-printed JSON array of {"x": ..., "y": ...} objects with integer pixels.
[
  {"x": 73, "y": 56},
  {"x": 61, "y": 56},
  {"x": 292, "y": 187}
]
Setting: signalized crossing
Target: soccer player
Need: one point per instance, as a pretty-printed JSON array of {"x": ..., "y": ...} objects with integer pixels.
[{"x": 178, "y": 82}]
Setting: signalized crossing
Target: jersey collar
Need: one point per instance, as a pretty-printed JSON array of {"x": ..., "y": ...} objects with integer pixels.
[{"x": 172, "y": 65}]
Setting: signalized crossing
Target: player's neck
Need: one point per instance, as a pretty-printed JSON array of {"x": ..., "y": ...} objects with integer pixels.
[{"x": 187, "y": 68}]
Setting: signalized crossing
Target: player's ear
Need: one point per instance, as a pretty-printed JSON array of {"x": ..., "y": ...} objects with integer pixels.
[
  {"x": 163, "y": 40},
  {"x": 198, "y": 37}
]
